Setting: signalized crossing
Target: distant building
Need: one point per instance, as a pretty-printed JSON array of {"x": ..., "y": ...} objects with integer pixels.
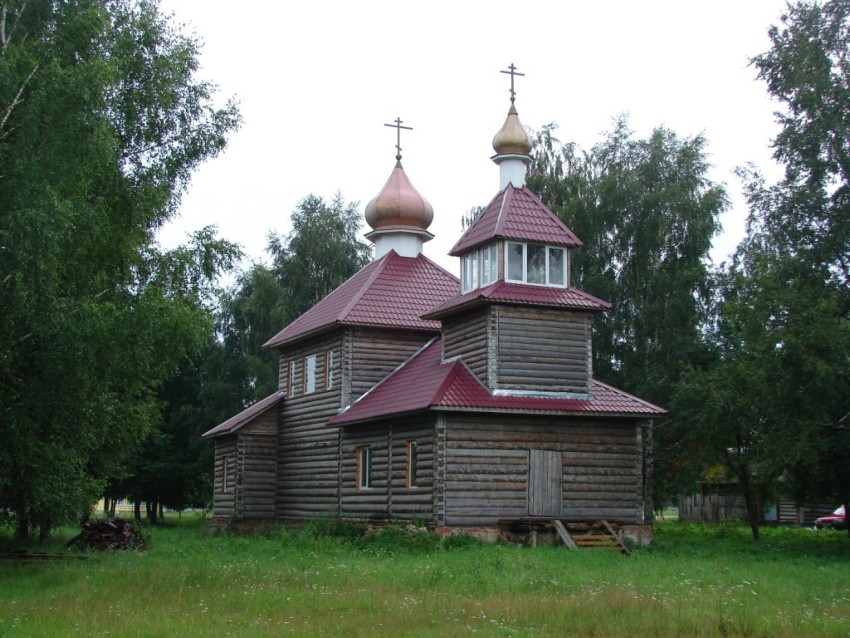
[{"x": 407, "y": 394}]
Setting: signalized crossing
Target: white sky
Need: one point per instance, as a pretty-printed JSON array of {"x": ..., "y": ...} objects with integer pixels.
[{"x": 316, "y": 80}]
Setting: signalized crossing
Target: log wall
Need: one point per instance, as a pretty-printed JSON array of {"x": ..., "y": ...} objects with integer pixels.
[
  {"x": 540, "y": 349},
  {"x": 308, "y": 449},
  {"x": 388, "y": 496},
  {"x": 487, "y": 468},
  {"x": 224, "y": 500},
  {"x": 467, "y": 336},
  {"x": 372, "y": 354}
]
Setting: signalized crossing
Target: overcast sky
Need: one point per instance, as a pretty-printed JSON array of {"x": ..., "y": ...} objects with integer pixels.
[{"x": 316, "y": 82}]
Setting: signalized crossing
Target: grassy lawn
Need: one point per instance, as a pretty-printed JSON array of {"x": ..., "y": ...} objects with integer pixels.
[{"x": 694, "y": 581}]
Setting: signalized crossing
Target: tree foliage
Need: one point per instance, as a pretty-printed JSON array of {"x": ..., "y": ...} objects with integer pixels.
[
  {"x": 322, "y": 251},
  {"x": 101, "y": 125},
  {"x": 783, "y": 315},
  {"x": 646, "y": 212}
]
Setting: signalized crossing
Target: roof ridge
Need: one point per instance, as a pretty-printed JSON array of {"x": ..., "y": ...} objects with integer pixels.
[
  {"x": 501, "y": 218},
  {"x": 459, "y": 366},
  {"x": 537, "y": 200},
  {"x": 355, "y": 299},
  {"x": 388, "y": 376}
]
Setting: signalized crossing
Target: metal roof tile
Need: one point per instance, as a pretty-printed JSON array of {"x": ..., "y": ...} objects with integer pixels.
[
  {"x": 504, "y": 292},
  {"x": 426, "y": 382},
  {"x": 247, "y": 415},
  {"x": 516, "y": 213},
  {"x": 392, "y": 291}
]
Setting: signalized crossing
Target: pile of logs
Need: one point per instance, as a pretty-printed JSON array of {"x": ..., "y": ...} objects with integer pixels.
[{"x": 110, "y": 534}]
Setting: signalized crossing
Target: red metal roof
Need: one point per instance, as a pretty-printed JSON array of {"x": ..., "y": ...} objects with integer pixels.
[
  {"x": 247, "y": 415},
  {"x": 516, "y": 213},
  {"x": 526, "y": 294},
  {"x": 425, "y": 382},
  {"x": 392, "y": 291}
]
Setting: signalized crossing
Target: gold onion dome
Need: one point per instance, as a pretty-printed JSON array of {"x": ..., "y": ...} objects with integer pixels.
[
  {"x": 399, "y": 205},
  {"x": 512, "y": 138}
]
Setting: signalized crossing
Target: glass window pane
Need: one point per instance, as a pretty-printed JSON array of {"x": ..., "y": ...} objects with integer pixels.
[
  {"x": 515, "y": 264},
  {"x": 485, "y": 267},
  {"x": 556, "y": 266},
  {"x": 493, "y": 274},
  {"x": 536, "y": 264}
]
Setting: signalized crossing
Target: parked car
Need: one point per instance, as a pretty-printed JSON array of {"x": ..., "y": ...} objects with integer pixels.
[{"x": 836, "y": 520}]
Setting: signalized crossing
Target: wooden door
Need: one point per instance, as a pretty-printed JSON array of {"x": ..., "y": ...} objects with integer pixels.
[{"x": 544, "y": 483}]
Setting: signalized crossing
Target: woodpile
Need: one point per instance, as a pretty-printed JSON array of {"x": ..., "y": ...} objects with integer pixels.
[{"x": 109, "y": 534}]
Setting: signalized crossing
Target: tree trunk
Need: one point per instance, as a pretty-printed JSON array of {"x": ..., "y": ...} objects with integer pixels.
[
  {"x": 44, "y": 530},
  {"x": 749, "y": 499},
  {"x": 137, "y": 511},
  {"x": 23, "y": 531}
]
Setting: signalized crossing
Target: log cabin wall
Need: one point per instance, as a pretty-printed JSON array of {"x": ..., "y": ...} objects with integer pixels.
[
  {"x": 400, "y": 485},
  {"x": 307, "y": 449},
  {"x": 486, "y": 474},
  {"x": 542, "y": 349},
  {"x": 373, "y": 353},
  {"x": 468, "y": 336},
  {"x": 224, "y": 478},
  {"x": 257, "y": 466}
]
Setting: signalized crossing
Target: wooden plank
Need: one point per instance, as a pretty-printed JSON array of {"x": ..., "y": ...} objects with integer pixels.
[
  {"x": 616, "y": 538},
  {"x": 564, "y": 534}
]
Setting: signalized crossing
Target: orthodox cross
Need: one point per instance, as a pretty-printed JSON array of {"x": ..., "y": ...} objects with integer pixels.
[
  {"x": 398, "y": 128},
  {"x": 512, "y": 71}
]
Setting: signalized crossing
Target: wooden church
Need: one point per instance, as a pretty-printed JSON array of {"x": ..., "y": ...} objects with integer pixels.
[{"x": 469, "y": 405}]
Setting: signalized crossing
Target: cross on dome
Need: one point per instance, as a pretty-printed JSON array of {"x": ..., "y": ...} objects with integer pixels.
[
  {"x": 513, "y": 72},
  {"x": 397, "y": 125}
]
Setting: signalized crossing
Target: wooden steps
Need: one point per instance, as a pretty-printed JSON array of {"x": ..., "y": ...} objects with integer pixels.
[{"x": 593, "y": 536}]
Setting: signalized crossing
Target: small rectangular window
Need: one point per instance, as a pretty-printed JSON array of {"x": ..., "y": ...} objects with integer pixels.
[
  {"x": 469, "y": 272},
  {"x": 225, "y": 469},
  {"x": 516, "y": 261},
  {"x": 412, "y": 461},
  {"x": 329, "y": 370},
  {"x": 556, "y": 266},
  {"x": 291, "y": 389},
  {"x": 489, "y": 264},
  {"x": 310, "y": 374},
  {"x": 536, "y": 264},
  {"x": 364, "y": 468}
]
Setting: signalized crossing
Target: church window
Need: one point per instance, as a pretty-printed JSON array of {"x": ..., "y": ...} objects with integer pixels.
[
  {"x": 536, "y": 264},
  {"x": 489, "y": 264},
  {"x": 412, "y": 460},
  {"x": 556, "y": 266},
  {"x": 469, "y": 274},
  {"x": 291, "y": 389},
  {"x": 225, "y": 470},
  {"x": 516, "y": 262},
  {"x": 329, "y": 370},
  {"x": 310, "y": 374},
  {"x": 364, "y": 468}
]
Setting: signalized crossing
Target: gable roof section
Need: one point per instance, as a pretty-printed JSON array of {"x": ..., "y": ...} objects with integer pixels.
[
  {"x": 424, "y": 382},
  {"x": 516, "y": 213},
  {"x": 392, "y": 292},
  {"x": 523, "y": 294},
  {"x": 246, "y": 416}
]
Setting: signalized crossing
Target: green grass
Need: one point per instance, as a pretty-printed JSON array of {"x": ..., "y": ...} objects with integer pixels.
[{"x": 334, "y": 580}]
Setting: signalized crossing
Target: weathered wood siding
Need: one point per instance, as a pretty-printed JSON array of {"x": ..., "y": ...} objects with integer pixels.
[
  {"x": 467, "y": 336},
  {"x": 373, "y": 354},
  {"x": 308, "y": 449},
  {"x": 541, "y": 349},
  {"x": 486, "y": 475},
  {"x": 224, "y": 490},
  {"x": 388, "y": 496},
  {"x": 257, "y": 466}
]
